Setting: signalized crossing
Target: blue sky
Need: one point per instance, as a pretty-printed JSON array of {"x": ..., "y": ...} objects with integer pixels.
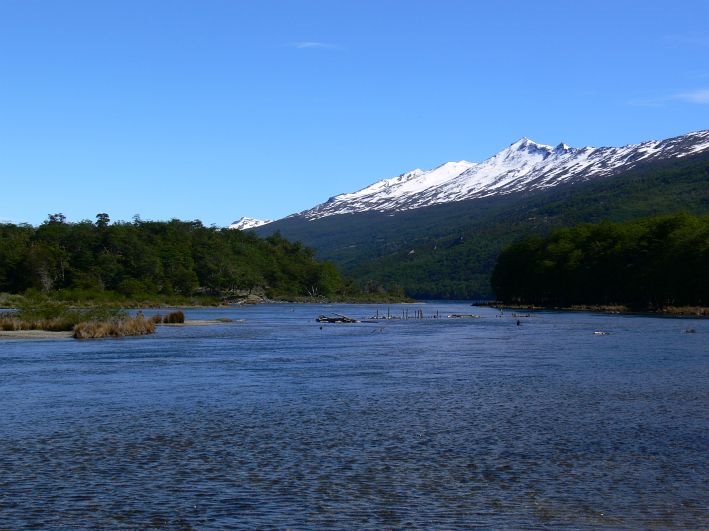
[{"x": 214, "y": 109}]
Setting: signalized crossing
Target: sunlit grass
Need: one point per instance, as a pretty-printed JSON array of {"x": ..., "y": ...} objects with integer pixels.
[{"x": 131, "y": 326}]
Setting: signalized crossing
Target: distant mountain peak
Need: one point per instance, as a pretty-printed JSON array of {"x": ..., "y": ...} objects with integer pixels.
[
  {"x": 526, "y": 143},
  {"x": 245, "y": 223},
  {"x": 522, "y": 143}
]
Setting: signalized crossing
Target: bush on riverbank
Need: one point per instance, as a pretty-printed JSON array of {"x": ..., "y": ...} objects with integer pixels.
[{"x": 176, "y": 317}]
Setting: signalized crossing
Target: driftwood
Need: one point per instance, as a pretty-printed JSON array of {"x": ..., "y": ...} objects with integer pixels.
[{"x": 336, "y": 318}]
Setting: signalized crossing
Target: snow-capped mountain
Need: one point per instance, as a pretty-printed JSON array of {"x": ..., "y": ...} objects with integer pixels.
[
  {"x": 248, "y": 223},
  {"x": 523, "y": 166}
]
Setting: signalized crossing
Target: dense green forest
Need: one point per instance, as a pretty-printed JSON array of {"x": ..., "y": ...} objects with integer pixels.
[
  {"x": 650, "y": 263},
  {"x": 144, "y": 259},
  {"x": 449, "y": 251}
]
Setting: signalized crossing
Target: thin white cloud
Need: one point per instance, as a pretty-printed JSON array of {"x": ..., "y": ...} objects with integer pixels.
[
  {"x": 690, "y": 40},
  {"x": 700, "y": 96},
  {"x": 306, "y": 45},
  {"x": 696, "y": 97},
  {"x": 647, "y": 102}
]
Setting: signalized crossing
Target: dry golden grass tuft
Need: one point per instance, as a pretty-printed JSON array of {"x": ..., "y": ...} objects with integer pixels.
[
  {"x": 55, "y": 324},
  {"x": 130, "y": 326}
]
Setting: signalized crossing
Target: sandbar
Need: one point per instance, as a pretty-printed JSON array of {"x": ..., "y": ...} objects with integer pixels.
[{"x": 34, "y": 334}]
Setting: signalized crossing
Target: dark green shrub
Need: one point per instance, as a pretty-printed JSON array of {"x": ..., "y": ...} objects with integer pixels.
[{"x": 176, "y": 317}]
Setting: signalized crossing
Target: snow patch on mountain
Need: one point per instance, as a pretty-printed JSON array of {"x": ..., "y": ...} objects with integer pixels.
[
  {"x": 523, "y": 166},
  {"x": 245, "y": 223}
]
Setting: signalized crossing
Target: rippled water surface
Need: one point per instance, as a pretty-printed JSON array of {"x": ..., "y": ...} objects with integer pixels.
[{"x": 276, "y": 421}]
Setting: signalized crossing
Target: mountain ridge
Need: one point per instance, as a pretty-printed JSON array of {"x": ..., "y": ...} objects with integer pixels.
[{"x": 524, "y": 165}]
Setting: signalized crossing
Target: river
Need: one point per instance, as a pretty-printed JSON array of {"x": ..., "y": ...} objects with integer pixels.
[{"x": 272, "y": 420}]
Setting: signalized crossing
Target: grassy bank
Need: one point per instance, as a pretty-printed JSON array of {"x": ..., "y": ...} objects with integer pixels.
[
  {"x": 93, "y": 322},
  {"x": 92, "y": 299}
]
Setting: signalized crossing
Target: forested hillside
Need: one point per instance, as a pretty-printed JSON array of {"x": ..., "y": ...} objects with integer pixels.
[
  {"x": 449, "y": 251},
  {"x": 649, "y": 263},
  {"x": 147, "y": 258}
]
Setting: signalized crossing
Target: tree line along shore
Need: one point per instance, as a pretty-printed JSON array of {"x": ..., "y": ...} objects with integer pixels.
[
  {"x": 162, "y": 262},
  {"x": 653, "y": 264}
]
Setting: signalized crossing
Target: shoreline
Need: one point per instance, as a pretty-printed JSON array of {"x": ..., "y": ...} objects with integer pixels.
[
  {"x": 616, "y": 309},
  {"x": 34, "y": 334}
]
